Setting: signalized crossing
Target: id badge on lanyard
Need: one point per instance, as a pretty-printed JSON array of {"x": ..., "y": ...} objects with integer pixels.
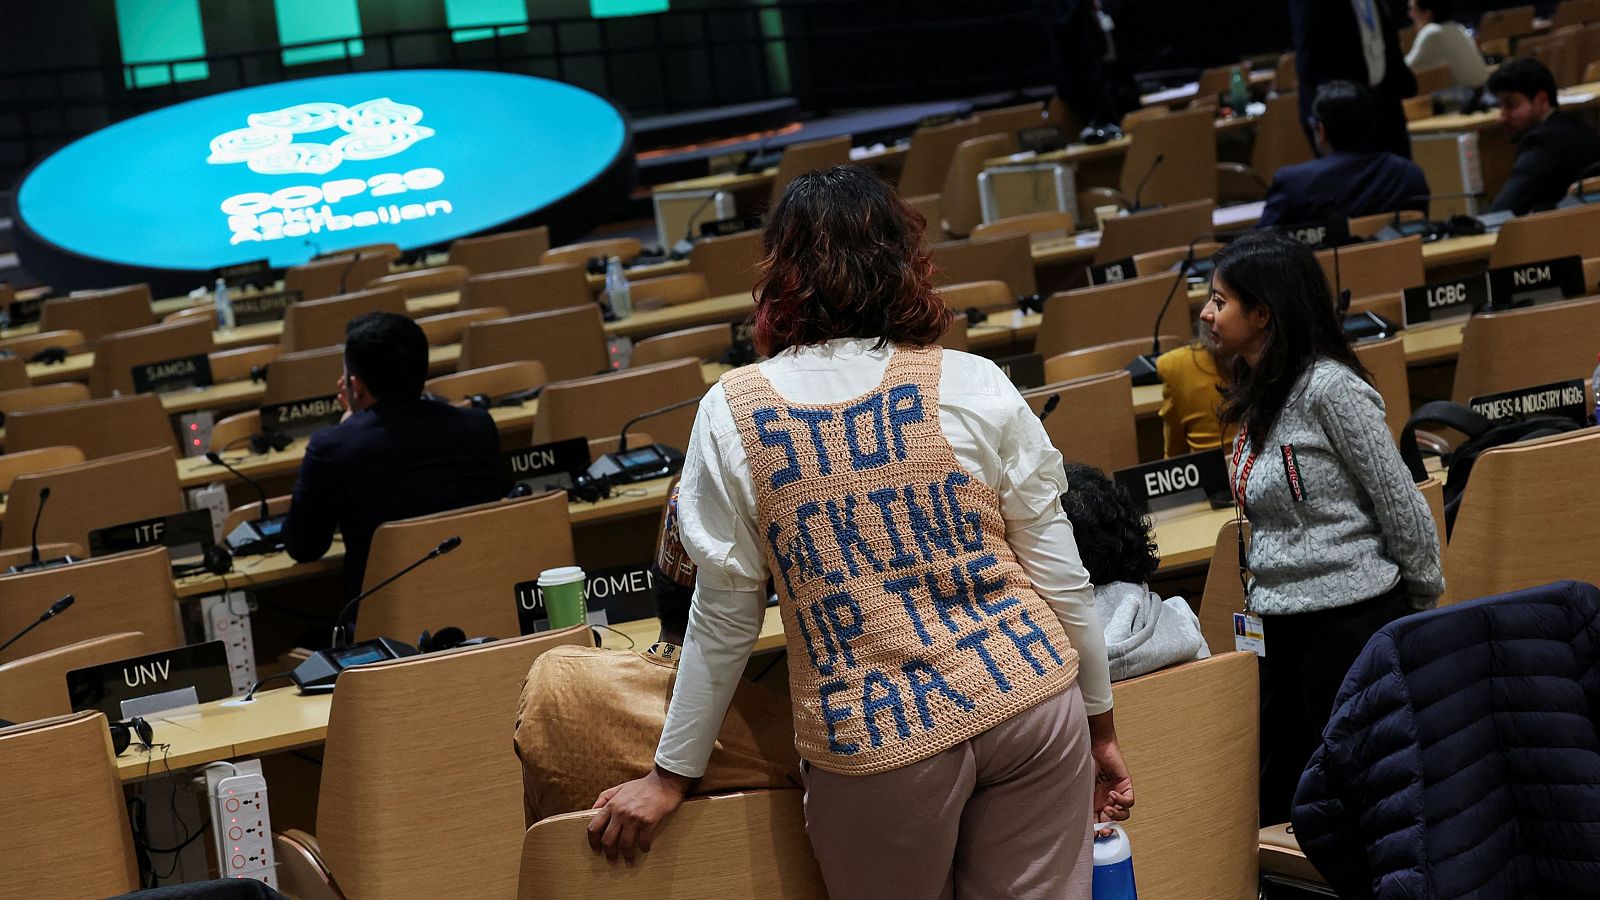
[{"x": 1248, "y": 633}]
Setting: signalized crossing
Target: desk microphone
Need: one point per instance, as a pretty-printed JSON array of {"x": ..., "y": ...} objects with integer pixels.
[
  {"x": 56, "y": 609},
  {"x": 643, "y": 464},
  {"x": 1429, "y": 229},
  {"x": 683, "y": 248},
  {"x": 342, "y": 631},
  {"x": 345, "y": 272},
  {"x": 1139, "y": 191},
  {"x": 622, "y": 439},
  {"x": 1050, "y": 404},
  {"x": 1143, "y": 367},
  {"x": 33, "y": 561},
  {"x": 216, "y": 459}
]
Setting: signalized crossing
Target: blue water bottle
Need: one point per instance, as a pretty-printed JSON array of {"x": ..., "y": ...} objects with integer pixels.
[{"x": 1113, "y": 865}]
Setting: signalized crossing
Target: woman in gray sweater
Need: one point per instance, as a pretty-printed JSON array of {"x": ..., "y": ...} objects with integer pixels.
[{"x": 1342, "y": 541}]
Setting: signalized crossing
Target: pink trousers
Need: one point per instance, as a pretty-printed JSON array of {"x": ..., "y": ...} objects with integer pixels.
[{"x": 1006, "y": 814}]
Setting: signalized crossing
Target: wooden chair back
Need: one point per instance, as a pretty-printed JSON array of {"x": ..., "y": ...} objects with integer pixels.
[
  {"x": 501, "y": 252},
  {"x": 1505, "y": 23},
  {"x": 96, "y": 494},
  {"x": 129, "y": 591},
  {"x": 1524, "y": 347},
  {"x": 27, "y": 462},
  {"x": 529, "y": 290},
  {"x": 1154, "y": 262},
  {"x": 35, "y": 687},
  {"x": 445, "y": 329},
  {"x": 1558, "y": 52},
  {"x": 423, "y": 282},
  {"x": 963, "y": 210},
  {"x": 1286, "y": 79},
  {"x": 1094, "y": 423},
  {"x": 599, "y": 406},
  {"x": 99, "y": 313},
  {"x": 1107, "y": 313},
  {"x": 570, "y": 342},
  {"x": 69, "y": 340},
  {"x": 667, "y": 290},
  {"x": 1575, "y": 12},
  {"x": 388, "y": 250},
  {"x": 1386, "y": 360},
  {"x": 235, "y": 431},
  {"x": 1390, "y": 306},
  {"x": 1143, "y": 114},
  {"x": 496, "y": 381},
  {"x": 1377, "y": 268},
  {"x": 1432, "y": 491},
  {"x": 1280, "y": 141},
  {"x": 99, "y": 428},
  {"x": 121, "y": 351},
  {"x": 1008, "y": 120},
  {"x": 955, "y": 333},
  {"x": 236, "y": 364},
  {"x": 51, "y": 766},
  {"x": 1172, "y": 226},
  {"x": 1574, "y": 231},
  {"x": 989, "y": 296},
  {"x": 304, "y": 374},
  {"x": 1223, "y": 594},
  {"x": 310, "y": 324},
  {"x": 1197, "y": 773},
  {"x": 1041, "y": 224},
  {"x": 1187, "y": 141},
  {"x": 421, "y": 795},
  {"x": 334, "y": 275},
  {"x": 1367, "y": 227},
  {"x": 13, "y": 373},
  {"x": 749, "y": 844},
  {"x": 928, "y": 158},
  {"x": 730, "y": 264},
  {"x": 931, "y": 206},
  {"x": 705, "y": 343},
  {"x": 1521, "y": 521},
  {"x": 804, "y": 157},
  {"x": 1217, "y": 79},
  {"x": 624, "y": 248},
  {"x": 1433, "y": 78},
  {"x": 1105, "y": 358},
  {"x": 503, "y": 544},
  {"x": 42, "y": 397},
  {"x": 1007, "y": 258}
]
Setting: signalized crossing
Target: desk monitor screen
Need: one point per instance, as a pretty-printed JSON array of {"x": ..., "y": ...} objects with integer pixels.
[{"x": 202, "y": 668}]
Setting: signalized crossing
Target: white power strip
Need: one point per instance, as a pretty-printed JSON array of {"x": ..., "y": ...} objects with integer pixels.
[
  {"x": 215, "y": 498},
  {"x": 241, "y": 825},
  {"x": 227, "y": 619}
]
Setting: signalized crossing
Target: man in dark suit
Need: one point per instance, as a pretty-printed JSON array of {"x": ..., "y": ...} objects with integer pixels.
[
  {"x": 395, "y": 455},
  {"x": 1353, "y": 40},
  {"x": 1352, "y": 177},
  {"x": 1553, "y": 148}
]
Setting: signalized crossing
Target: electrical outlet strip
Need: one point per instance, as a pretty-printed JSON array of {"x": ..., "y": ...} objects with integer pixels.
[
  {"x": 215, "y": 498},
  {"x": 194, "y": 431},
  {"x": 241, "y": 824},
  {"x": 227, "y": 619}
]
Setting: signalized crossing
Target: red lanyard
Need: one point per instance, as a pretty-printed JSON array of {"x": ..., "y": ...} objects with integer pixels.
[{"x": 1241, "y": 473}]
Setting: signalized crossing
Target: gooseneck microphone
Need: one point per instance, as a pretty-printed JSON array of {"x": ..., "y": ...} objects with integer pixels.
[
  {"x": 1050, "y": 404},
  {"x": 44, "y": 497},
  {"x": 216, "y": 459},
  {"x": 683, "y": 248},
  {"x": 342, "y": 630},
  {"x": 1143, "y": 367},
  {"x": 56, "y": 609},
  {"x": 1138, "y": 192},
  {"x": 622, "y": 439},
  {"x": 345, "y": 272}
]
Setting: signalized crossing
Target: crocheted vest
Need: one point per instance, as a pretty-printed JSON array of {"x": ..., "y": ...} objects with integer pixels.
[{"x": 910, "y": 625}]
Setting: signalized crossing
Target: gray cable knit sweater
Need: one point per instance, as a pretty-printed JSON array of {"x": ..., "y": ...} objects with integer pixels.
[{"x": 1355, "y": 524}]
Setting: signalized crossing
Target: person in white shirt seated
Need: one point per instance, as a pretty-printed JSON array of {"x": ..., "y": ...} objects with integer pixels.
[
  {"x": 1143, "y": 632},
  {"x": 1441, "y": 41}
]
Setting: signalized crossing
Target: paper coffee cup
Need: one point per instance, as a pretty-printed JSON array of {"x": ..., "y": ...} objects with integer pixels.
[{"x": 562, "y": 589}]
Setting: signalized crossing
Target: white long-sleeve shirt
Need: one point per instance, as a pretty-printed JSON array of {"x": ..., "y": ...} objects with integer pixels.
[
  {"x": 996, "y": 438},
  {"x": 1448, "y": 44}
]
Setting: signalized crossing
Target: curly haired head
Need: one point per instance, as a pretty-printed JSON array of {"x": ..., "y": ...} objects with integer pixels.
[
  {"x": 843, "y": 258},
  {"x": 1113, "y": 537}
]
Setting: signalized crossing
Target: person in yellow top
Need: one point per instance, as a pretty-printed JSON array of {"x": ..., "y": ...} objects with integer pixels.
[{"x": 1191, "y": 394}]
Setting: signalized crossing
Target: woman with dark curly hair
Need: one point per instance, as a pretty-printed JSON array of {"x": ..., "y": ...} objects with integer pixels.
[
  {"x": 947, "y": 674},
  {"x": 1143, "y": 632}
]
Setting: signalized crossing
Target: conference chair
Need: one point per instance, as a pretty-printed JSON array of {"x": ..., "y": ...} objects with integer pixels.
[
  {"x": 26, "y": 462},
  {"x": 1105, "y": 358},
  {"x": 1094, "y": 422},
  {"x": 234, "y": 432},
  {"x": 1154, "y": 262},
  {"x": 1008, "y": 258},
  {"x": 1142, "y": 114},
  {"x": 99, "y": 428},
  {"x": 624, "y": 248},
  {"x": 1009, "y": 120},
  {"x": 35, "y": 687},
  {"x": 990, "y": 296},
  {"x": 1279, "y": 141},
  {"x": 1376, "y": 268},
  {"x": 334, "y": 275},
  {"x": 1187, "y": 143},
  {"x": 423, "y": 282},
  {"x": 598, "y": 407},
  {"x": 310, "y": 324},
  {"x": 1433, "y": 78},
  {"x": 492, "y": 381},
  {"x": 931, "y": 208},
  {"x": 570, "y": 342},
  {"x": 62, "y": 813},
  {"x": 706, "y": 343},
  {"x": 420, "y": 794},
  {"x": 1041, "y": 226},
  {"x": 1104, "y": 314},
  {"x": 99, "y": 313},
  {"x": 239, "y": 363},
  {"x": 1190, "y": 734},
  {"x": 1525, "y": 347},
  {"x": 1286, "y": 79},
  {"x": 120, "y": 352},
  {"x": 667, "y": 290},
  {"x": 129, "y": 591},
  {"x": 1223, "y": 594},
  {"x": 1391, "y": 306},
  {"x": 445, "y": 328},
  {"x": 70, "y": 340},
  {"x": 1367, "y": 227},
  {"x": 747, "y": 844},
  {"x": 1575, "y": 12},
  {"x": 804, "y": 157},
  {"x": 1589, "y": 49},
  {"x": 929, "y": 156},
  {"x": 730, "y": 264},
  {"x": 1508, "y": 23},
  {"x": 528, "y": 290},
  {"x": 1386, "y": 361},
  {"x": 1174, "y": 225},
  {"x": 963, "y": 208},
  {"x": 304, "y": 374},
  {"x": 1524, "y": 520},
  {"x": 1574, "y": 231},
  {"x": 13, "y": 373},
  {"x": 1558, "y": 51},
  {"x": 503, "y": 544},
  {"x": 42, "y": 396},
  {"x": 99, "y": 493},
  {"x": 500, "y": 252},
  {"x": 955, "y": 333}
]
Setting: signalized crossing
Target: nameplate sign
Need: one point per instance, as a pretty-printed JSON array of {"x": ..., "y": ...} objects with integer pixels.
[
  {"x": 1536, "y": 282},
  {"x": 186, "y": 535},
  {"x": 1166, "y": 483},
  {"x": 731, "y": 225},
  {"x": 533, "y": 616},
  {"x": 1563, "y": 399},
  {"x": 23, "y": 312},
  {"x": 238, "y": 275},
  {"x": 170, "y": 375},
  {"x": 203, "y": 668},
  {"x": 1320, "y": 235},
  {"x": 1040, "y": 139},
  {"x": 1113, "y": 272},
  {"x": 254, "y": 309},
  {"x": 1455, "y": 299},
  {"x": 299, "y": 418},
  {"x": 549, "y": 466},
  {"x": 934, "y": 120},
  {"x": 1025, "y": 371}
]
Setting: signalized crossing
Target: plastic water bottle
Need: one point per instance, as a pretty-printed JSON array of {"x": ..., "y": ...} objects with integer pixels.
[
  {"x": 1238, "y": 92},
  {"x": 1113, "y": 865},
  {"x": 224, "y": 306},
  {"x": 1594, "y": 385},
  {"x": 618, "y": 294}
]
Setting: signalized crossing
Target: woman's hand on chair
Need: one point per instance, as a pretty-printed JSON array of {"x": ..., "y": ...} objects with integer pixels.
[{"x": 630, "y": 813}]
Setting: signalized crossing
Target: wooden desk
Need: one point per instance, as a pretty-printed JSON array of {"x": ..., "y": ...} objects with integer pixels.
[
  {"x": 274, "y": 721},
  {"x": 1079, "y": 154}
]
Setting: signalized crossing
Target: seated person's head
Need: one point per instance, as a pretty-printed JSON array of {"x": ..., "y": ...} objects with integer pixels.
[
  {"x": 385, "y": 358},
  {"x": 1114, "y": 539},
  {"x": 1526, "y": 92},
  {"x": 1345, "y": 118},
  {"x": 1425, "y": 11},
  {"x": 673, "y": 577}
]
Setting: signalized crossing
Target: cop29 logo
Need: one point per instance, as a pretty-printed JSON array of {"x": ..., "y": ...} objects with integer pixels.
[{"x": 273, "y": 143}]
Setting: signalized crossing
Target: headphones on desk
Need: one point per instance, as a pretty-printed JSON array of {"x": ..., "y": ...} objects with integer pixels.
[
  {"x": 50, "y": 356},
  {"x": 258, "y": 373},
  {"x": 448, "y": 638},
  {"x": 590, "y": 488},
  {"x": 218, "y": 561},
  {"x": 260, "y": 444},
  {"x": 1031, "y": 303}
]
